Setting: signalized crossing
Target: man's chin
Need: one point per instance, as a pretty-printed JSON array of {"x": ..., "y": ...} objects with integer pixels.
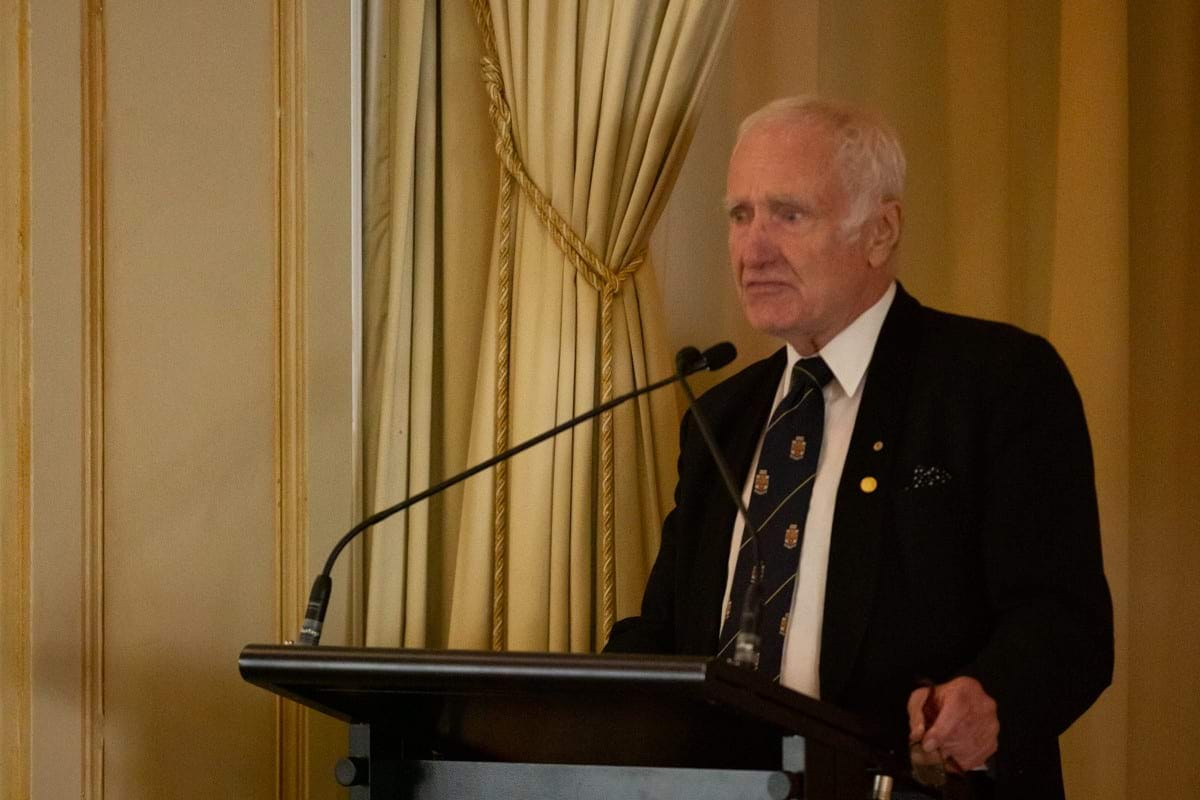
[{"x": 772, "y": 321}]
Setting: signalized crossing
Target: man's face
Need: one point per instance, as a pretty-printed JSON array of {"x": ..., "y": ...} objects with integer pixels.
[{"x": 798, "y": 274}]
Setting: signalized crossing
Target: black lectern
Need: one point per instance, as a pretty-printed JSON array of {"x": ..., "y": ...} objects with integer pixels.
[{"x": 472, "y": 724}]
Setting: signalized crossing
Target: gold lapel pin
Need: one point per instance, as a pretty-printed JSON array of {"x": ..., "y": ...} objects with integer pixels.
[{"x": 868, "y": 484}]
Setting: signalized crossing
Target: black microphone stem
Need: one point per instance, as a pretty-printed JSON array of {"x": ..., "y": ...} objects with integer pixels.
[
  {"x": 380, "y": 516},
  {"x": 746, "y": 648},
  {"x": 722, "y": 467}
]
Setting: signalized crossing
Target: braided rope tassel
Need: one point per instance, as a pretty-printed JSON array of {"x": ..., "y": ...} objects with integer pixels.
[
  {"x": 608, "y": 572},
  {"x": 498, "y": 111},
  {"x": 503, "y": 325}
]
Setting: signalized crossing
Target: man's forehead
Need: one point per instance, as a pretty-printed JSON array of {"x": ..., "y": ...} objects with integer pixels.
[
  {"x": 780, "y": 167},
  {"x": 782, "y": 151},
  {"x": 785, "y": 134}
]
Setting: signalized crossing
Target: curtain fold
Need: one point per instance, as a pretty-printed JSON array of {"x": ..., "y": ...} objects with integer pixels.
[
  {"x": 603, "y": 99},
  {"x": 1163, "y": 604},
  {"x": 400, "y": 133},
  {"x": 1089, "y": 324},
  {"x": 427, "y": 234}
]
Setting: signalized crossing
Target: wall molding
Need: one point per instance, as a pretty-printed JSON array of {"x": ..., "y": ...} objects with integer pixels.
[
  {"x": 15, "y": 423},
  {"x": 291, "y": 426},
  {"x": 92, "y": 94}
]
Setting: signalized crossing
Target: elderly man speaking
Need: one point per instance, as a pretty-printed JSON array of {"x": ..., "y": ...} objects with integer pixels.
[{"x": 922, "y": 483}]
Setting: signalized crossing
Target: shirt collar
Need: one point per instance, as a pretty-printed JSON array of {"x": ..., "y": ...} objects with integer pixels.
[{"x": 849, "y": 353}]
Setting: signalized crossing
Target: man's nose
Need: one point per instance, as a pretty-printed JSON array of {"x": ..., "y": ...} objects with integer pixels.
[{"x": 758, "y": 245}]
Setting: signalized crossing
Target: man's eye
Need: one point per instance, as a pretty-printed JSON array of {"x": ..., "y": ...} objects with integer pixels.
[{"x": 738, "y": 215}]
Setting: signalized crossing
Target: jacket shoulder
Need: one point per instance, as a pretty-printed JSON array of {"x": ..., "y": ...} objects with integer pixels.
[{"x": 981, "y": 345}]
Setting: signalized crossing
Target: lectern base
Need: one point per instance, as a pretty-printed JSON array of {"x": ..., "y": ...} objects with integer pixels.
[
  {"x": 439, "y": 780},
  {"x": 425, "y": 779}
]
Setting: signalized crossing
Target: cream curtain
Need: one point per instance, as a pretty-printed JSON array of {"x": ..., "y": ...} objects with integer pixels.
[{"x": 602, "y": 99}]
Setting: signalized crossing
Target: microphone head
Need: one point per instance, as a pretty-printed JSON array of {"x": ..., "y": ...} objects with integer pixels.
[
  {"x": 719, "y": 355},
  {"x": 688, "y": 360}
]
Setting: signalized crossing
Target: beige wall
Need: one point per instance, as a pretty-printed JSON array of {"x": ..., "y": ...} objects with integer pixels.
[{"x": 189, "y": 302}]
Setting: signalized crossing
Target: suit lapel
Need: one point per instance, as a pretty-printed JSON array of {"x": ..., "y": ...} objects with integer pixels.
[
  {"x": 863, "y": 496},
  {"x": 738, "y": 419}
]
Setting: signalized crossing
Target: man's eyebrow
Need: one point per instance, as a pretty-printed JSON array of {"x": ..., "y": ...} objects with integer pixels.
[
  {"x": 774, "y": 203},
  {"x": 786, "y": 201}
]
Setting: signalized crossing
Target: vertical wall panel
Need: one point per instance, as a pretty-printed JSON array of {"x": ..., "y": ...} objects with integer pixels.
[
  {"x": 291, "y": 303},
  {"x": 56, "y": 400},
  {"x": 15, "y": 687},
  {"x": 189, "y": 396}
]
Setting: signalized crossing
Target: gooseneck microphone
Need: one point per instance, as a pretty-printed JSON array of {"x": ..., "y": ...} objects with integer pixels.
[
  {"x": 687, "y": 361},
  {"x": 318, "y": 600}
]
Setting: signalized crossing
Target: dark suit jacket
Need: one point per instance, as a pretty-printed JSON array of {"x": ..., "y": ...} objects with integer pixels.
[{"x": 993, "y": 570}]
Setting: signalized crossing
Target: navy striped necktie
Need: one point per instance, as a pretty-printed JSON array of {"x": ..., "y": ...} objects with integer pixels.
[{"x": 783, "y": 483}]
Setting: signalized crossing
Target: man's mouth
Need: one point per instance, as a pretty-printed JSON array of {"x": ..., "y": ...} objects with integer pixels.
[{"x": 761, "y": 285}]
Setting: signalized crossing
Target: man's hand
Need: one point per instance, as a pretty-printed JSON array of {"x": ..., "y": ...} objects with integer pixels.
[{"x": 958, "y": 718}]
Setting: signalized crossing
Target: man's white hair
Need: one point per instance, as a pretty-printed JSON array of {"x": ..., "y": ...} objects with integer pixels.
[{"x": 868, "y": 152}]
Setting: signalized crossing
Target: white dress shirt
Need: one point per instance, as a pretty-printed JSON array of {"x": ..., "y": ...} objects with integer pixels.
[{"x": 847, "y": 355}]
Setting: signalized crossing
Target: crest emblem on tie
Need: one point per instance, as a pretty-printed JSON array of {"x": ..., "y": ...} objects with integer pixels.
[
  {"x": 791, "y": 537},
  {"x": 798, "y": 448},
  {"x": 761, "y": 481}
]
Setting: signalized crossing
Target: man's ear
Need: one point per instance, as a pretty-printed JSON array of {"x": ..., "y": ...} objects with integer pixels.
[{"x": 883, "y": 233}]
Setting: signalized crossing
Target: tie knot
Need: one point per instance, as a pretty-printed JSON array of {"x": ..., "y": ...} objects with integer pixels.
[{"x": 811, "y": 372}]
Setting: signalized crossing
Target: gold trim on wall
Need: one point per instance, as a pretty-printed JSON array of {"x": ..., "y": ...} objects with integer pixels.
[
  {"x": 291, "y": 463},
  {"x": 16, "y": 683},
  {"x": 92, "y": 56}
]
